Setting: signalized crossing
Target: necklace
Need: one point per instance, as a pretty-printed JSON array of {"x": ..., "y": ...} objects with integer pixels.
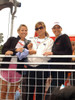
[{"x": 39, "y": 41}]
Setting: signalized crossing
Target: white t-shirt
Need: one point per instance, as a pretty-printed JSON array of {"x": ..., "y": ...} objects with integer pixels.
[
  {"x": 20, "y": 44},
  {"x": 41, "y": 46}
]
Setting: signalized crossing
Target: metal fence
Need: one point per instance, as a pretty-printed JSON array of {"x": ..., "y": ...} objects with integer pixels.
[{"x": 35, "y": 83}]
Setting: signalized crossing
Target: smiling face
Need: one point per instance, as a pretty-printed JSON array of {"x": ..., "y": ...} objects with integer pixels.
[
  {"x": 22, "y": 31},
  {"x": 40, "y": 29},
  {"x": 57, "y": 30}
]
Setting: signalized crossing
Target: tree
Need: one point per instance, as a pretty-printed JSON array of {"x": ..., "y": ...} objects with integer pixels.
[{"x": 1, "y": 37}]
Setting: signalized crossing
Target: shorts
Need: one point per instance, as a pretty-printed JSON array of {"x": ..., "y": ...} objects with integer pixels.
[{"x": 11, "y": 76}]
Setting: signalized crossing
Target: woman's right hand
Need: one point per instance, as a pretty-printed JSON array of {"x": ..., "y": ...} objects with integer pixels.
[
  {"x": 32, "y": 52},
  {"x": 19, "y": 49},
  {"x": 9, "y": 52},
  {"x": 48, "y": 53}
]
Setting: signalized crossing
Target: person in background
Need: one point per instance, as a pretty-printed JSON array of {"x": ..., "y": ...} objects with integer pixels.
[
  {"x": 61, "y": 46},
  {"x": 37, "y": 79},
  {"x": 18, "y": 94},
  {"x": 73, "y": 49},
  {"x": 11, "y": 47},
  {"x": 73, "y": 60},
  {"x": 65, "y": 93}
]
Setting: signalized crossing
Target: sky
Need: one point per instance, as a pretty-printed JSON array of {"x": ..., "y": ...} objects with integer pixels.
[{"x": 33, "y": 11}]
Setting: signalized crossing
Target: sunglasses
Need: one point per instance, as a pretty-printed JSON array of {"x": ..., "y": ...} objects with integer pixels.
[{"x": 39, "y": 28}]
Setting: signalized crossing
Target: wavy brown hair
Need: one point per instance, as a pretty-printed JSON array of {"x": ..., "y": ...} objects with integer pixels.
[{"x": 42, "y": 24}]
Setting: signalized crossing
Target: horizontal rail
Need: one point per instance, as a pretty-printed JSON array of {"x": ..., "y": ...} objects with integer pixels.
[
  {"x": 51, "y": 56},
  {"x": 68, "y": 70},
  {"x": 39, "y": 63}
]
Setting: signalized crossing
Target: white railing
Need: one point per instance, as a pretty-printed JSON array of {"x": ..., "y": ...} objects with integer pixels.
[
  {"x": 51, "y": 56},
  {"x": 43, "y": 70},
  {"x": 40, "y": 63}
]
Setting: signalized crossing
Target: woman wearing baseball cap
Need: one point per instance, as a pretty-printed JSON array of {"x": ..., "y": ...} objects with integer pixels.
[{"x": 61, "y": 46}]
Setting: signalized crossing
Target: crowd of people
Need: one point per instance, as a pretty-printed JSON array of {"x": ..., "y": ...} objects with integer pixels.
[{"x": 40, "y": 45}]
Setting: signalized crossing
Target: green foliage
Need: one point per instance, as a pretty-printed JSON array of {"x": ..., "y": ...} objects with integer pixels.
[
  {"x": 1, "y": 49},
  {"x": 1, "y": 37}
]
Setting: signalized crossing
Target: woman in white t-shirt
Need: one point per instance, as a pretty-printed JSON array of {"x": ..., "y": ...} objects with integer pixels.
[
  {"x": 11, "y": 47},
  {"x": 37, "y": 79}
]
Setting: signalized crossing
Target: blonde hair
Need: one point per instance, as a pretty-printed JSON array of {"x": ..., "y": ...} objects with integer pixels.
[
  {"x": 42, "y": 24},
  {"x": 21, "y": 26},
  {"x": 73, "y": 51}
]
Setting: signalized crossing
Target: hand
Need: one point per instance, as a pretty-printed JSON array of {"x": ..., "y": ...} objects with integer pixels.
[
  {"x": 29, "y": 46},
  {"x": 48, "y": 83},
  {"x": 8, "y": 52},
  {"x": 19, "y": 49},
  {"x": 32, "y": 52},
  {"x": 48, "y": 53}
]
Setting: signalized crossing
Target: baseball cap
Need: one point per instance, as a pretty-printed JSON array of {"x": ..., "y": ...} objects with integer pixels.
[{"x": 56, "y": 23}]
